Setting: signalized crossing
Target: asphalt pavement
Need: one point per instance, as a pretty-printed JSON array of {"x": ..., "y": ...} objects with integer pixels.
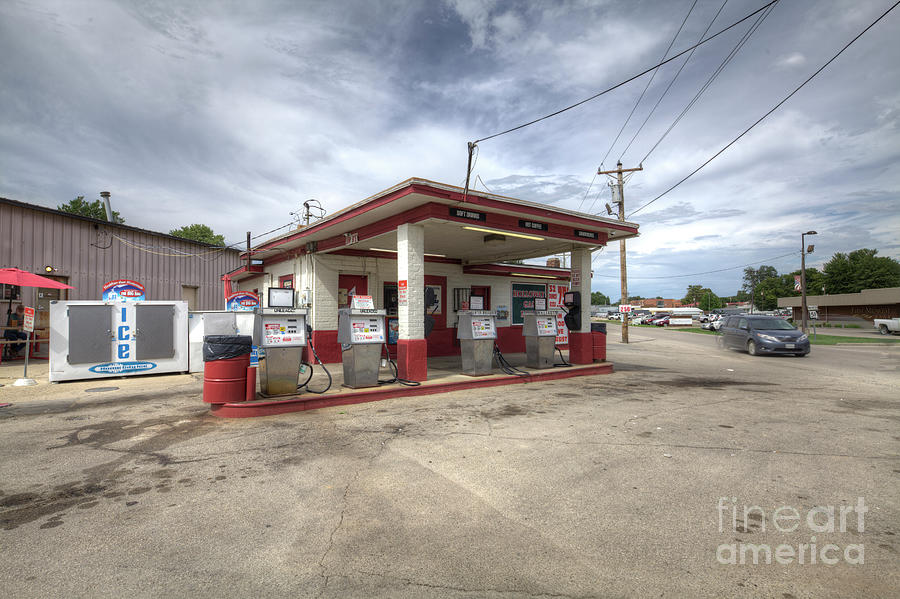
[{"x": 649, "y": 481}]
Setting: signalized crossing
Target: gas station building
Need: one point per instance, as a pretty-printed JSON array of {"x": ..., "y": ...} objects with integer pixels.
[{"x": 420, "y": 234}]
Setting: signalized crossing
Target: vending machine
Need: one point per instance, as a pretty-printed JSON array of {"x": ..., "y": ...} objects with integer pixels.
[
  {"x": 361, "y": 333},
  {"x": 477, "y": 332}
]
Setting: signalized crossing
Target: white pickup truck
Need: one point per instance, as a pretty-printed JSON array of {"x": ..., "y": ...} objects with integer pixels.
[{"x": 886, "y": 326}]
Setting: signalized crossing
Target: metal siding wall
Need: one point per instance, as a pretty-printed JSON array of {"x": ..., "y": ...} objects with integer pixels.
[{"x": 31, "y": 239}]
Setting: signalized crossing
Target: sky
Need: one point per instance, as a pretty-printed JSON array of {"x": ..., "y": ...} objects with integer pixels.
[{"x": 233, "y": 113}]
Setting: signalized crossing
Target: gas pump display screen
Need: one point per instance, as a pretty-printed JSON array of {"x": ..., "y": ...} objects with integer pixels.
[
  {"x": 569, "y": 299},
  {"x": 546, "y": 326},
  {"x": 284, "y": 331},
  {"x": 483, "y": 328},
  {"x": 367, "y": 329},
  {"x": 281, "y": 297}
]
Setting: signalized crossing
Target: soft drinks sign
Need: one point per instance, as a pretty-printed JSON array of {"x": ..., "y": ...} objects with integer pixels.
[
  {"x": 123, "y": 290},
  {"x": 242, "y": 301}
]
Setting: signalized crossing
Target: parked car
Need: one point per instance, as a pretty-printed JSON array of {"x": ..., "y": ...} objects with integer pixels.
[
  {"x": 763, "y": 335},
  {"x": 661, "y": 322},
  {"x": 886, "y": 326}
]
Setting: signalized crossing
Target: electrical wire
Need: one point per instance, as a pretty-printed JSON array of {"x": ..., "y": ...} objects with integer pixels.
[
  {"x": 672, "y": 82},
  {"x": 715, "y": 74},
  {"x": 629, "y": 80},
  {"x": 774, "y": 108},
  {"x": 708, "y": 272},
  {"x": 649, "y": 81},
  {"x": 587, "y": 192}
]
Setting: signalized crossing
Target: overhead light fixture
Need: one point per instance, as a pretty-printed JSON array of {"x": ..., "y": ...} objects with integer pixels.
[
  {"x": 49, "y": 268},
  {"x": 517, "y": 274},
  {"x": 494, "y": 239},
  {"x": 505, "y": 233}
]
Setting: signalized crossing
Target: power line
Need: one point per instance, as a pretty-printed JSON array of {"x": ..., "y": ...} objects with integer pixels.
[
  {"x": 649, "y": 81},
  {"x": 709, "y": 272},
  {"x": 715, "y": 74},
  {"x": 629, "y": 80},
  {"x": 774, "y": 108},
  {"x": 672, "y": 82}
]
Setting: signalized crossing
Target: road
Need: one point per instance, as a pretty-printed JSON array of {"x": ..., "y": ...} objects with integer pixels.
[{"x": 631, "y": 484}]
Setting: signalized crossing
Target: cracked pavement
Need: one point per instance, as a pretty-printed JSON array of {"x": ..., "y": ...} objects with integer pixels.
[{"x": 588, "y": 487}]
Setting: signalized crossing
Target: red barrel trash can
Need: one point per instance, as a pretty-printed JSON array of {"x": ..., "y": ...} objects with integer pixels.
[
  {"x": 599, "y": 343},
  {"x": 226, "y": 360}
]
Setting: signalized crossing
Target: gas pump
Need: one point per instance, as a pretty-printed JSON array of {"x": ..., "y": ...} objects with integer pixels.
[
  {"x": 476, "y": 331},
  {"x": 539, "y": 331},
  {"x": 280, "y": 332},
  {"x": 361, "y": 333}
]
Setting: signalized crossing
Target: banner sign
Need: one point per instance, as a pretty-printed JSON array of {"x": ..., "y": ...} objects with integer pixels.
[
  {"x": 242, "y": 301},
  {"x": 796, "y": 282},
  {"x": 123, "y": 290},
  {"x": 29, "y": 320}
]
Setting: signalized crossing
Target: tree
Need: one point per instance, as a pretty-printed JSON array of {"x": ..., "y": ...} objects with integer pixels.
[
  {"x": 598, "y": 299},
  {"x": 201, "y": 233},
  {"x": 93, "y": 209},
  {"x": 703, "y": 297},
  {"x": 753, "y": 277},
  {"x": 858, "y": 270}
]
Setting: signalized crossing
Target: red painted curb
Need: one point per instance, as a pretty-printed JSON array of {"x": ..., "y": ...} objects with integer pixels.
[{"x": 311, "y": 402}]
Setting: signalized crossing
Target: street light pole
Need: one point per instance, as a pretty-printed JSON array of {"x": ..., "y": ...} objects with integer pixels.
[{"x": 803, "y": 278}]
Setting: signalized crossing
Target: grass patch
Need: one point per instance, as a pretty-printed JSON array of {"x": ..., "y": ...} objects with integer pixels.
[
  {"x": 693, "y": 330},
  {"x": 820, "y": 339}
]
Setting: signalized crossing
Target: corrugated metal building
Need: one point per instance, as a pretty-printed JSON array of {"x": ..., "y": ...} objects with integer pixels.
[{"x": 87, "y": 253}]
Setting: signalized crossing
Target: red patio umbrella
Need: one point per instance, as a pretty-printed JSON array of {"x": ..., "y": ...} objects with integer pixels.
[{"x": 15, "y": 276}]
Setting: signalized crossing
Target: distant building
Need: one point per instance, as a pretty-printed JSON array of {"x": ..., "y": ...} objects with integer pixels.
[
  {"x": 866, "y": 305},
  {"x": 87, "y": 253},
  {"x": 657, "y": 303}
]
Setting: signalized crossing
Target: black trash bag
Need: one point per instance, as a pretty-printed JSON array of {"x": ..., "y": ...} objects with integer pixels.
[{"x": 224, "y": 347}]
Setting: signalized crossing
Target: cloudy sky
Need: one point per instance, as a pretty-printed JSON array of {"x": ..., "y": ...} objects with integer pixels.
[{"x": 234, "y": 113}]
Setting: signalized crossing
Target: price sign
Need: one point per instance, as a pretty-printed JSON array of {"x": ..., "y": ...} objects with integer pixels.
[
  {"x": 624, "y": 308},
  {"x": 29, "y": 320}
]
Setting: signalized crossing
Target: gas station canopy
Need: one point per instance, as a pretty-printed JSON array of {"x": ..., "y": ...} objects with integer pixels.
[{"x": 469, "y": 228}]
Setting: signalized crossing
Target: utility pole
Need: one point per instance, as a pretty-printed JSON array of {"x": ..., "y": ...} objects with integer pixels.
[
  {"x": 803, "y": 252},
  {"x": 622, "y": 263}
]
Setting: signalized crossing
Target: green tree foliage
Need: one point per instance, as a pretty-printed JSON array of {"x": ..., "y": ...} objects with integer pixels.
[
  {"x": 703, "y": 297},
  {"x": 598, "y": 299},
  {"x": 93, "y": 209},
  {"x": 201, "y": 233},
  {"x": 753, "y": 277},
  {"x": 858, "y": 270}
]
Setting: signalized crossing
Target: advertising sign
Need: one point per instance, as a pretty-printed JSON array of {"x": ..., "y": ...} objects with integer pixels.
[
  {"x": 363, "y": 302},
  {"x": 523, "y": 295},
  {"x": 393, "y": 330},
  {"x": 624, "y": 308},
  {"x": 123, "y": 290},
  {"x": 29, "y": 320},
  {"x": 796, "y": 282},
  {"x": 242, "y": 301},
  {"x": 402, "y": 293}
]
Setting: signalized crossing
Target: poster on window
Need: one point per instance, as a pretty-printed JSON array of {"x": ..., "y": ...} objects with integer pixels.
[
  {"x": 555, "y": 295},
  {"x": 435, "y": 307},
  {"x": 523, "y": 295}
]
